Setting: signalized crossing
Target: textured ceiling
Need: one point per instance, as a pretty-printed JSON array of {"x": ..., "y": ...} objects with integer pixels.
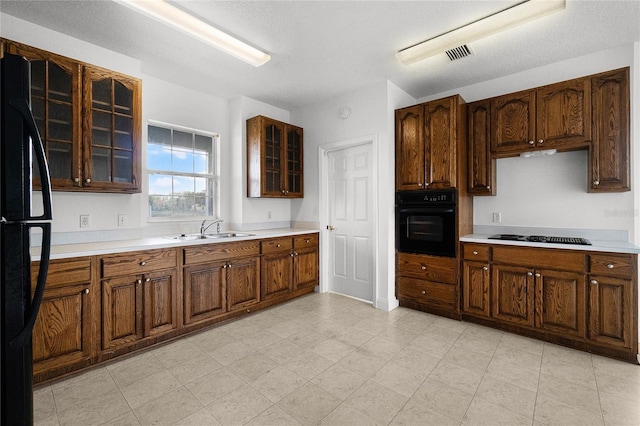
[{"x": 321, "y": 49}]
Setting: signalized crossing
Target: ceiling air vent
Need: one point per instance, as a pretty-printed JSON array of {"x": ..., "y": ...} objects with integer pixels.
[{"x": 459, "y": 52}]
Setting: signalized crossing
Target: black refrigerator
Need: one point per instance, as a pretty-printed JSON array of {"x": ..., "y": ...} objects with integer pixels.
[{"x": 19, "y": 303}]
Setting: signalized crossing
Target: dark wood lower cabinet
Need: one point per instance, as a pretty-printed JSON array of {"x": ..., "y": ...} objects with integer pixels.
[
  {"x": 243, "y": 283},
  {"x": 585, "y": 300},
  {"x": 204, "y": 292},
  {"x": 277, "y": 275}
]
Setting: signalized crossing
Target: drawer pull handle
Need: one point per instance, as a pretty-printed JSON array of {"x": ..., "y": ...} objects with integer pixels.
[
  {"x": 138, "y": 282},
  {"x": 529, "y": 274},
  {"x": 278, "y": 245},
  {"x": 594, "y": 282},
  {"x": 143, "y": 263},
  {"x": 485, "y": 268},
  {"x": 610, "y": 265},
  {"x": 531, "y": 142},
  {"x": 475, "y": 253},
  {"x": 540, "y": 140},
  {"x": 306, "y": 241},
  {"x": 424, "y": 292},
  {"x": 148, "y": 280},
  {"x": 537, "y": 275},
  {"x": 85, "y": 291},
  {"x": 424, "y": 268},
  {"x": 292, "y": 255}
]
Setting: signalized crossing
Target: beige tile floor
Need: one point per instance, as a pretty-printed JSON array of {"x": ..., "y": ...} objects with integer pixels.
[{"x": 330, "y": 360}]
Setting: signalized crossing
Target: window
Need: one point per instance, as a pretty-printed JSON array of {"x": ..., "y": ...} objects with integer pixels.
[{"x": 183, "y": 179}]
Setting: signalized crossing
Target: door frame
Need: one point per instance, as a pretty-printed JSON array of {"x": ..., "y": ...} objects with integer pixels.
[{"x": 323, "y": 151}]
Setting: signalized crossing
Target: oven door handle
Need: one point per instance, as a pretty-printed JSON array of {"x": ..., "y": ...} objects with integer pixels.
[{"x": 423, "y": 211}]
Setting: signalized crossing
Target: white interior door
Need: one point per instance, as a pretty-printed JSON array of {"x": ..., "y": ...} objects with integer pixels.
[{"x": 350, "y": 196}]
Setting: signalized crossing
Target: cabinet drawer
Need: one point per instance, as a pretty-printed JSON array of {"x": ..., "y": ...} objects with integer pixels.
[
  {"x": 305, "y": 241},
  {"x": 137, "y": 262},
  {"x": 220, "y": 251},
  {"x": 275, "y": 245},
  {"x": 63, "y": 272},
  {"x": 478, "y": 252},
  {"x": 559, "y": 259},
  {"x": 435, "y": 294},
  {"x": 612, "y": 265},
  {"x": 440, "y": 269}
]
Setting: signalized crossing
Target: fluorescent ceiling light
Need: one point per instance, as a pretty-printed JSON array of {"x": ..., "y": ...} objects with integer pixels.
[
  {"x": 170, "y": 15},
  {"x": 505, "y": 19}
]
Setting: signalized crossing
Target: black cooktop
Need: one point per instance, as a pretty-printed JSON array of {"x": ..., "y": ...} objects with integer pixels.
[{"x": 541, "y": 239}]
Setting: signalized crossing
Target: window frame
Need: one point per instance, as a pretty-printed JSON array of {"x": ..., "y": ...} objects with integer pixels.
[{"x": 214, "y": 176}]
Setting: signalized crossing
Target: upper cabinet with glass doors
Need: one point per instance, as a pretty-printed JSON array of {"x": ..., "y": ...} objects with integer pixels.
[
  {"x": 274, "y": 159},
  {"x": 89, "y": 120}
]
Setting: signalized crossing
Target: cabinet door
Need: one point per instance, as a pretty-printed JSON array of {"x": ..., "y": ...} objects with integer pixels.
[
  {"x": 609, "y": 154},
  {"x": 410, "y": 150},
  {"x": 306, "y": 269},
  {"x": 277, "y": 275},
  {"x": 512, "y": 294},
  {"x": 272, "y": 158},
  {"x": 112, "y": 131},
  {"x": 204, "y": 292},
  {"x": 160, "y": 302},
  {"x": 482, "y": 179},
  {"x": 121, "y": 311},
  {"x": 475, "y": 288},
  {"x": 513, "y": 122},
  {"x": 611, "y": 311},
  {"x": 560, "y": 302},
  {"x": 440, "y": 143},
  {"x": 62, "y": 332},
  {"x": 56, "y": 107},
  {"x": 294, "y": 163},
  {"x": 243, "y": 283},
  {"x": 563, "y": 114}
]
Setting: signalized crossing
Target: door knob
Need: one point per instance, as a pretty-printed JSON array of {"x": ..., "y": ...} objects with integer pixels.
[{"x": 330, "y": 228}]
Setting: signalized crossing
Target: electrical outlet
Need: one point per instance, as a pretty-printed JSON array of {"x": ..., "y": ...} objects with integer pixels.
[
  {"x": 84, "y": 221},
  {"x": 497, "y": 217},
  {"x": 122, "y": 220}
]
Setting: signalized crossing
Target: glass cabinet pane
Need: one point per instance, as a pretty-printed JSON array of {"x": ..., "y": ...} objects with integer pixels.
[
  {"x": 123, "y": 99},
  {"x": 122, "y": 166},
  {"x": 60, "y": 155},
  {"x": 59, "y": 83},
  {"x": 101, "y": 94},
  {"x": 294, "y": 161},
  {"x": 101, "y": 164},
  {"x": 123, "y": 136},
  {"x": 38, "y": 78},
  {"x": 273, "y": 152},
  {"x": 59, "y": 122}
]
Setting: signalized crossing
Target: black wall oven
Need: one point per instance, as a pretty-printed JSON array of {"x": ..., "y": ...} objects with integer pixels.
[{"x": 426, "y": 222}]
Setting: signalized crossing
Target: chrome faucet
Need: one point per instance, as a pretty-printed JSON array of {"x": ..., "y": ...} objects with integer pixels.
[{"x": 203, "y": 229}]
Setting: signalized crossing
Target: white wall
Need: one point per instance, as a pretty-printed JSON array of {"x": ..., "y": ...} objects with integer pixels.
[
  {"x": 371, "y": 115},
  {"x": 551, "y": 192}
]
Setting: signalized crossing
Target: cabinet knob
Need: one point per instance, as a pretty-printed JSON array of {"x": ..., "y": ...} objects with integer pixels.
[
  {"x": 596, "y": 182},
  {"x": 420, "y": 185},
  {"x": 229, "y": 265},
  {"x": 148, "y": 280},
  {"x": 286, "y": 192},
  {"x": 76, "y": 180},
  {"x": 488, "y": 187},
  {"x": 485, "y": 268},
  {"x": 537, "y": 275},
  {"x": 282, "y": 191},
  {"x": 540, "y": 141},
  {"x": 529, "y": 274},
  {"x": 424, "y": 292},
  {"x": 291, "y": 255},
  {"x": 594, "y": 282},
  {"x": 278, "y": 245},
  {"x": 426, "y": 184},
  {"x": 138, "y": 282},
  {"x": 424, "y": 268},
  {"x": 531, "y": 142},
  {"x": 610, "y": 265},
  {"x": 87, "y": 180},
  {"x": 85, "y": 291},
  {"x": 475, "y": 253},
  {"x": 143, "y": 263},
  {"x": 306, "y": 241}
]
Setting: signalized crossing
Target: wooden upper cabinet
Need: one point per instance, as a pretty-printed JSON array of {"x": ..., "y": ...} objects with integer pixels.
[
  {"x": 427, "y": 137},
  {"x": 274, "y": 159},
  {"x": 556, "y": 116},
  {"x": 89, "y": 119},
  {"x": 410, "y": 152},
  {"x": 481, "y": 165},
  {"x": 513, "y": 122},
  {"x": 563, "y": 112},
  {"x": 609, "y": 153},
  {"x": 112, "y": 131}
]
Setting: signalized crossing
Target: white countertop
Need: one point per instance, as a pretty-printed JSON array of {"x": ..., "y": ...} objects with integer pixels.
[
  {"x": 612, "y": 246},
  {"x": 63, "y": 251}
]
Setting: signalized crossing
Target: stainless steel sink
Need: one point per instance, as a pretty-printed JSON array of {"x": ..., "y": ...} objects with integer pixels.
[
  {"x": 192, "y": 237},
  {"x": 228, "y": 235}
]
